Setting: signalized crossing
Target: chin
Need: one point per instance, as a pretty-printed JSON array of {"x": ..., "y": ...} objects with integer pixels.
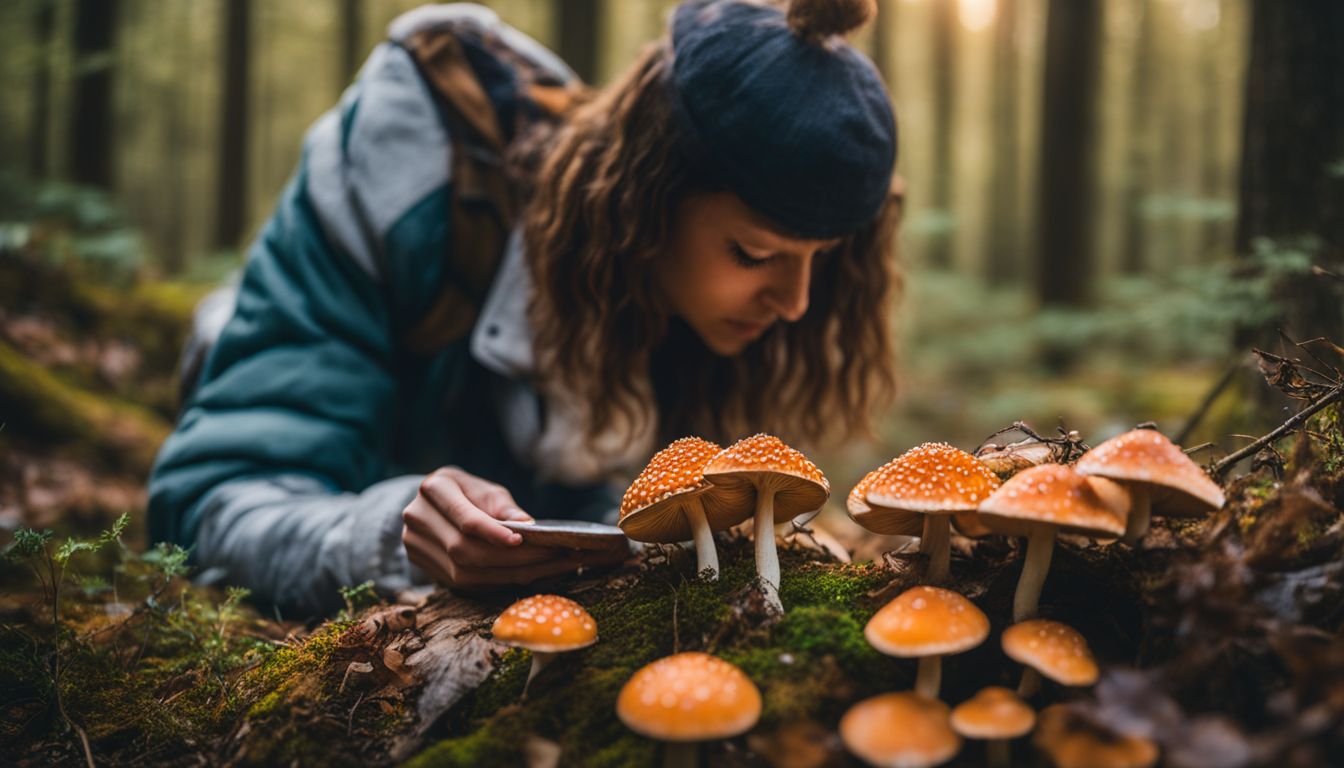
[{"x": 726, "y": 347}]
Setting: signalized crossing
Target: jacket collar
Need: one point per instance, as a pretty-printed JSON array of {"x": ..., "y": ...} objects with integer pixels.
[{"x": 502, "y": 339}]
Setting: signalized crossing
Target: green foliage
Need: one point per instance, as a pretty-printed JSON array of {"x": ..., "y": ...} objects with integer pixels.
[
  {"x": 27, "y": 543},
  {"x": 168, "y": 559},
  {"x": 357, "y": 598},
  {"x": 805, "y": 663}
]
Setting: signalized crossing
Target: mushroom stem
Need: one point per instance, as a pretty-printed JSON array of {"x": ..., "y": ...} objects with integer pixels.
[
  {"x": 1029, "y": 684},
  {"x": 1040, "y": 546},
  {"x": 998, "y": 753},
  {"x": 767, "y": 559},
  {"x": 539, "y": 661},
  {"x": 706, "y": 555},
  {"x": 681, "y": 754},
  {"x": 937, "y": 544},
  {"x": 929, "y": 679},
  {"x": 1140, "y": 513}
]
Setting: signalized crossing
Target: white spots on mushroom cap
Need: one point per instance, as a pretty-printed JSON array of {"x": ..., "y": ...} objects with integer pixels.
[
  {"x": 932, "y": 477},
  {"x": 767, "y": 453},
  {"x": 549, "y": 622},
  {"x": 1053, "y": 493},
  {"x": 1054, "y": 649},
  {"x": 926, "y": 621},
  {"x": 1147, "y": 456},
  {"x": 678, "y": 468},
  {"x": 689, "y": 696}
]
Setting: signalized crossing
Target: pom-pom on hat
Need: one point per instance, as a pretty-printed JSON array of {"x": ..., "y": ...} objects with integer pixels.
[{"x": 783, "y": 112}]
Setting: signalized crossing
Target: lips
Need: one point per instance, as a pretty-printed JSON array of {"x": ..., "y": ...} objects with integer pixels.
[{"x": 747, "y": 330}]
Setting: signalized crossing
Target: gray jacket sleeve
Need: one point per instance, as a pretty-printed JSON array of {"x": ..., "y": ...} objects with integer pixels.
[{"x": 294, "y": 543}]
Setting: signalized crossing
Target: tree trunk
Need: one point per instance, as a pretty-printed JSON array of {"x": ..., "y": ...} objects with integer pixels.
[
  {"x": 1068, "y": 137},
  {"x": 579, "y": 36},
  {"x": 91, "y": 117},
  {"x": 352, "y": 48},
  {"x": 1133, "y": 250},
  {"x": 1292, "y": 179},
  {"x": 1004, "y": 262},
  {"x": 40, "y": 123},
  {"x": 231, "y": 206},
  {"x": 944, "y": 100}
]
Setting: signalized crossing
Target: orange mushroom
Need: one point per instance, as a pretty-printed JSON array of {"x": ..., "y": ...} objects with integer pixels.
[
  {"x": 934, "y": 481},
  {"x": 784, "y": 484},
  {"x": 546, "y": 625}
]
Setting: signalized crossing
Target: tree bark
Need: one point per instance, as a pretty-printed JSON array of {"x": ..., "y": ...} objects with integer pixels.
[
  {"x": 91, "y": 118},
  {"x": 1133, "y": 252},
  {"x": 352, "y": 23},
  {"x": 1068, "y": 137},
  {"x": 231, "y": 206},
  {"x": 44, "y": 26},
  {"x": 1292, "y": 179},
  {"x": 1004, "y": 260},
  {"x": 579, "y": 35},
  {"x": 944, "y": 101}
]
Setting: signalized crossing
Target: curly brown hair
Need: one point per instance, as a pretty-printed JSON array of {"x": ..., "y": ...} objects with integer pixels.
[{"x": 600, "y": 212}]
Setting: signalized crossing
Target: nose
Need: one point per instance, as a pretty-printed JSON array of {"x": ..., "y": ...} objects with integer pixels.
[{"x": 787, "y": 296}]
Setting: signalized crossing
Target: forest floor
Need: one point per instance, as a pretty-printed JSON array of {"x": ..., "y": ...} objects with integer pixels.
[{"x": 1221, "y": 639}]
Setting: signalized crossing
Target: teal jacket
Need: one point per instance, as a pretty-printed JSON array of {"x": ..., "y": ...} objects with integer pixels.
[{"x": 311, "y": 426}]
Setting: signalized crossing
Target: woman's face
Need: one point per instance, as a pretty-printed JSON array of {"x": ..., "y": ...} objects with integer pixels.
[{"x": 730, "y": 276}]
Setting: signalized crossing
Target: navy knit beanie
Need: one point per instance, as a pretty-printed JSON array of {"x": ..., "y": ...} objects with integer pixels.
[{"x": 783, "y": 112}]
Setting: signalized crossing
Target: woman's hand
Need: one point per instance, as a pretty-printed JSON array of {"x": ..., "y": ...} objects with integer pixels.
[{"x": 452, "y": 531}]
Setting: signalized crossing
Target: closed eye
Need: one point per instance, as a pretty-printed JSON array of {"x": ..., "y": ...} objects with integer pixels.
[{"x": 745, "y": 259}]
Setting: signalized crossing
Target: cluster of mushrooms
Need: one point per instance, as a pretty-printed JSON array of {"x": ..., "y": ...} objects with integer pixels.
[{"x": 693, "y": 488}]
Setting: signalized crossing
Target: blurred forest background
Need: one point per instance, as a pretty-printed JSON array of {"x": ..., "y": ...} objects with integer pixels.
[{"x": 1108, "y": 204}]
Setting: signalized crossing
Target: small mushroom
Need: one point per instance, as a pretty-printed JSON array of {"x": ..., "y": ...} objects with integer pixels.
[
  {"x": 928, "y": 623},
  {"x": 1072, "y": 741},
  {"x": 997, "y": 716},
  {"x": 1038, "y": 503},
  {"x": 1158, "y": 475},
  {"x": 669, "y": 502},
  {"x": 784, "y": 484},
  {"x": 1051, "y": 649},
  {"x": 934, "y": 481},
  {"x": 546, "y": 625},
  {"x": 900, "y": 729},
  {"x": 688, "y": 698}
]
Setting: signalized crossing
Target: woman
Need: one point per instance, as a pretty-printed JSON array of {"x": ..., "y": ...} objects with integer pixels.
[{"x": 702, "y": 248}]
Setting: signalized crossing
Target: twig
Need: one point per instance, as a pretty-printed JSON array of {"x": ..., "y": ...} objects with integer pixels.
[
  {"x": 1197, "y": 448},
  {"x": 1228, "y": 376},
  {"x": 350, "y": 721},
  {"x": 1314, "y": 356},
  {"x": 1283, "y": 429}
]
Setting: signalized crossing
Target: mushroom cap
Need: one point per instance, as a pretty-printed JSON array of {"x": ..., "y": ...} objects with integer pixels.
[
  {"x": 968, "y": 524},
  {"x": 901, "y": 730},
  {"x": 739, "y": 469},
  {"x": 1178, "y": 486},
  {"x": 993, "y": 713},
  {"x": 1072, "y": 742},
  {"x": 689, "y": 696},
  {"x": 652, "y": 509},
  {"x": 1053, "y": 649},
  {"x": 547, "y": 623},
  {"x": 1053, "y": 494},
  {"x": 927, "y": 621},
  {"x": 933, "y": 479},
  {"x": 877, "y": 518}
]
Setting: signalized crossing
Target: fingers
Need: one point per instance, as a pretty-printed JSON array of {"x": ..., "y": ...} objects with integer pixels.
[
  {"x": 445, "y": 494},
  {"x": 427, "y": 554}
]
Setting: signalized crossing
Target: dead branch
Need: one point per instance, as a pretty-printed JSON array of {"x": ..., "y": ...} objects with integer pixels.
[{"x": 1288, "y": 426}]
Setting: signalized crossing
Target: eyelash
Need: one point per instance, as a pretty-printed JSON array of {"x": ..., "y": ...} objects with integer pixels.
[{"x": 744, "y": 260}]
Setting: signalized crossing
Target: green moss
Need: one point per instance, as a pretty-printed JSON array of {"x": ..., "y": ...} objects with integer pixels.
[{"x": 805, "y": 662}]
